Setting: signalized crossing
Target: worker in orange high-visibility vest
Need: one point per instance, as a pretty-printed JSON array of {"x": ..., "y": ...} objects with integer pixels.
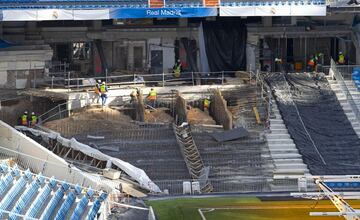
[{"x": 152, "y": 97}]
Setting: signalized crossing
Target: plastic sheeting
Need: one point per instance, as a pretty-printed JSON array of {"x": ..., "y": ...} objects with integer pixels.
[
  {"x": 225, "y": 43},
  {"x": 137, "y": 174},
  {"x": 317, "y": 123}
]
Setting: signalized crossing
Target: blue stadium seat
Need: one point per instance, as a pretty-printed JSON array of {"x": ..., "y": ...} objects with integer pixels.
[
  {"x": 41, "y": 198},
  {"x": 95, "y": 207},
  {"x": 65, "y": 207},
  {"x": 14, "y": 191},
  {"x": 54, "y": 201},
  {"x": 8, "y": 178},
  {"x": 26, "y": 197},
  {"x": 81, "y": 206},
  {"x": 343, "y": 184}
]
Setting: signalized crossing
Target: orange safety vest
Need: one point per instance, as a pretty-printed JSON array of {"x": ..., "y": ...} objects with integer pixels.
[
  {"x": 152, "y": 95},
  {"x": 311, "y": 62}
]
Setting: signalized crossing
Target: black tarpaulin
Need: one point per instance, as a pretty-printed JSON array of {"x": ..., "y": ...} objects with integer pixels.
[
  {"x": 230, "y": 135},
  {"x": 225, "y": 44},
  {"x": 317, "y": 123}
]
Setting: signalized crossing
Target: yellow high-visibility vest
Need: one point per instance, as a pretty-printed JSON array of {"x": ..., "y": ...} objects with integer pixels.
[
  {"x": 24, "y": 119},
  {"x": 152, "y": 95},
  {"x": 103, "y": 89},
  {"x": 33, "y": 119},
  {"x": 206, "y": 103},
  {"x": 177, "y": 71},
  {"x": 341, "y": 59}
]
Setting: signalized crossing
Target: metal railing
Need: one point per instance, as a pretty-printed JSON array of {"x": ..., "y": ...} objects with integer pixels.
[
  {"x": 58, "y": 112},
  {"x": 244, "y": 184},
  {"x": 340, "y": 80},
  {"x": 346, "y": 70},
  {"x": 162, "y": 79}
]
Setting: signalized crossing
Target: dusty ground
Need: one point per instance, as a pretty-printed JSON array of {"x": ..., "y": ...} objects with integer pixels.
[
  {"x": 196, "y": 116},
  {"x": 89, "y": 119},
  {"x": 159, "y": 115}
]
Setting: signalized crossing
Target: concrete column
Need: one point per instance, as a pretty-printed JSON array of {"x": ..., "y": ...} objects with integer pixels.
[
  {"x": 293, "y": 20},
  {"x": 267, "y": 21},
  {"x": 31, "y": 26},
  {"x": 357, "y": 55},
  {"x": 1, "y": 29},
  {"x": 97, "y": 25},
  {"x": 251, "y": 59}
]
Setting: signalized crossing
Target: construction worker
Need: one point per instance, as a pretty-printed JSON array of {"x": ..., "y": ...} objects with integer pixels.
[
  {"x": 24, "y": 119},
  {"x": 206, "y": 104},
  {"x": 33, "y": 119},
  {"x": 152, "y": 97},
  {"x": 133, "y": 96},
  {"x": 341, "y": 58},
  {"x": 97, "y": 90},
  {"x": 311, "y": 63},
  {"x": 177, "y": 69},
  {"x": 103, "y": 91},
  {"x": 278, "y": 65}
]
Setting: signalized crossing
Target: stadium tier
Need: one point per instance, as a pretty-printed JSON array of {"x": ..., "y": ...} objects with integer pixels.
[{"x": 33, "y": 195}]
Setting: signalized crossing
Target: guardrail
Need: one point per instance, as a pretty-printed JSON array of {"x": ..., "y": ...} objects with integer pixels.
[
  {"x": 58, "y": 112},
  {"x": 340, "y": 80},
  {"x": 162, "y": 79}
]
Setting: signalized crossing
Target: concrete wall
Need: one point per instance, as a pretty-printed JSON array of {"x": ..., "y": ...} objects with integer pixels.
[
  {"x": 19, "y": 67},
  {"x": 38, "y": 159},
  {"x": 220, "y": 112}
]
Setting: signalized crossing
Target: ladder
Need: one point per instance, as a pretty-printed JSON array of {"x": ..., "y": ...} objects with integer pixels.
[{"x": 192, "y": 157}]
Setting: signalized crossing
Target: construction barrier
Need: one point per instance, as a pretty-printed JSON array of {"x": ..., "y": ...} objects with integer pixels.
[{"x": 220, "y": 112}]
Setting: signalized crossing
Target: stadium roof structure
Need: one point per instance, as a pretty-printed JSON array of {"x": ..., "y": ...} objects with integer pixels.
[{"x": 39, "y": 10}]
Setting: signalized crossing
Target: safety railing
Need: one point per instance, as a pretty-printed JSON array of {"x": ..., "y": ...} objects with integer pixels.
[
  {"x": 244, "y": 184},
  {"x": 265, "y": 96},
  {"x": 346, "y": 70},
  {"x": 340, "y": 80},
  {"x": 58, "y": 112},
  {"x": 162, "y": 79}
]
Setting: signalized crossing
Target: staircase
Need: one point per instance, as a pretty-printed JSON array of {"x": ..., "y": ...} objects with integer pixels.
[
  {"x": 286, "y": 157},
  {"x": 192, "y": 157},
  {"x": 355, "y": 95}
]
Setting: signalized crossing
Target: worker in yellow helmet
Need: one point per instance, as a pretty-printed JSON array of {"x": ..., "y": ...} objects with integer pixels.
[
  {"x": 152, "y": 96},
  {"x": 206, "y": 104},
  {"x": 103, "y": 91}
]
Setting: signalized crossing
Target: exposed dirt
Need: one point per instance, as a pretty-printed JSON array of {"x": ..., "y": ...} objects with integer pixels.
[
  {"x": 159, "y": 115},
  {"x": 196, "y": 116},
  {"x": 89, "y": 119}
]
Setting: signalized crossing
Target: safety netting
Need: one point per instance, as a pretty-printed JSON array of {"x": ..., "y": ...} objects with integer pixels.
[{"x": 317, "y": 123}]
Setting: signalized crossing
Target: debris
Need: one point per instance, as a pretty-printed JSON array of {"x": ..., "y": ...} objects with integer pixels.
[{"x": 230, "y": 135}]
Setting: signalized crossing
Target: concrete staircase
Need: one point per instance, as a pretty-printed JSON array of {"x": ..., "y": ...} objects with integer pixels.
[
  {"x": 340, "y": 94},
  {"x": 286, "y": 157}
]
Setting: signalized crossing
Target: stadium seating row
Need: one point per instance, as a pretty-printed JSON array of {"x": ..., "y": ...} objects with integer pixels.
[
  {"x": 19, "y": 190},
  {"x": 93, "y": 4}
]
